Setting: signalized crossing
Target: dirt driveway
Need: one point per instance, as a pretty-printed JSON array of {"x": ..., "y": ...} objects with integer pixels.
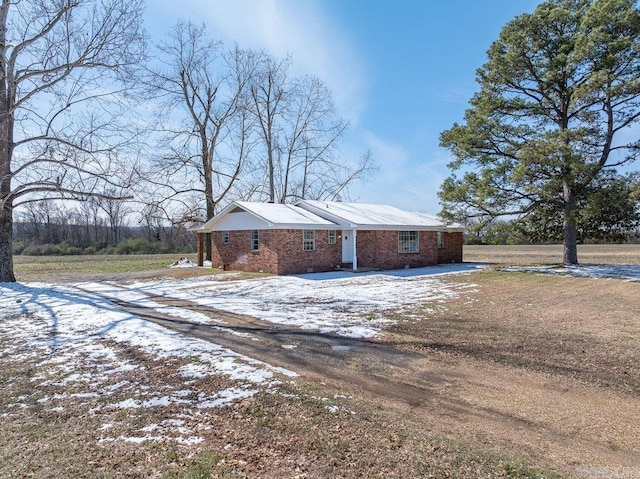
[{"x": 563, "y": 419}]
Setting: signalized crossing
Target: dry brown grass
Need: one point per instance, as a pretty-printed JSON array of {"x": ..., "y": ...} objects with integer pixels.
[
  {"x": 581, "y": 328},
  {"x": 555, "y": 357},
  {"x": 568, "y": 338},
  {"x": 552, "y": 254},
  {"x": 301, "y": 430}
]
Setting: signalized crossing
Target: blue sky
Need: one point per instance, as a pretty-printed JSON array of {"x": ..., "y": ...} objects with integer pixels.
[{"x": 401, "y": 71}]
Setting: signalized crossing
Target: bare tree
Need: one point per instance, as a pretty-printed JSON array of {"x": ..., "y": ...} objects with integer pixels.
[
  {"x": 153, "y": 218},
  {"x": 204, "y": 123},
  {"x": 269, "y": 98},
  {"x": 91, "y": 221},
  {"x": 61, "y": 132},
  {"x": 299, "y": 130},
  {"x": 116, "y": 211},
  {"x": 34, "y": 218}
]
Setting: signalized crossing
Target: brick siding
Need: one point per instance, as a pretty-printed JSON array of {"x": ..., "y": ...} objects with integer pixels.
[
  {"x": 452, "y": 251},
  {"x": 379, "y": 249},
  {"x": 293, "y": 260},
  {"x": 281, "y": 251},
  {"x": 237, "y": 253}
]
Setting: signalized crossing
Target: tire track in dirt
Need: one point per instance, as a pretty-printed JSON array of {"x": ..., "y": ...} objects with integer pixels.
[{"x": 551, "y": 421}]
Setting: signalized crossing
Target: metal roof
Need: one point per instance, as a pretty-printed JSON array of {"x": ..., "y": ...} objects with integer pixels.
[
  {"x": 313, "y": 214},
  {"x": 243, "y": 215},
  {"x": 372, "y": 216}
]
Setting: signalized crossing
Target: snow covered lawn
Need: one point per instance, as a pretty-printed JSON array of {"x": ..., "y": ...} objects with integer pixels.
[
  {"x": 81, "y": 343},
  {"x": 354, "y": 305},
  {"x": 91, "y": 355},
  {"x": 81, "y": 348}
]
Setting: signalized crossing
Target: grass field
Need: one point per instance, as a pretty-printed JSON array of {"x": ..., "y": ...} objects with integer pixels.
[
  {"x": 76, "y": 268},
  {"x": 552, "y": 254},
  {"x": 38, "y": 267},
  {"x": 93, "y": 263}
]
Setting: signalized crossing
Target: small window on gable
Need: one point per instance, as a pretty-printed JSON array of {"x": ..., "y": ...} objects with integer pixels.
[
  {"x": 408, "y": 242},
  {"x": 225, "y": 237},
  {"x": 255, "y": 240},
  {"x": 332, "y": 236},
  {"x": 440, "y": 239},
  {"x": 308, "y": 240}
]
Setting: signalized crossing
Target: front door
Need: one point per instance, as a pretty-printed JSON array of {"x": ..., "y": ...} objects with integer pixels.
[{"x": 347, "y": 246}]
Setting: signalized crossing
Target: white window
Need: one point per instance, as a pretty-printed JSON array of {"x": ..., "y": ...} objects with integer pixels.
[
  {"x": 308, "y": 240},
  {"x": 332, "y": 236},
  {"x": 255, "y": 240},
  {"x": 225, "y": 237},
  {"x": 440, "y": 239},
  {"x": 408, "y": 242}
]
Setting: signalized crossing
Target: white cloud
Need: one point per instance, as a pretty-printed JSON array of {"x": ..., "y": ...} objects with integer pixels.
[
  {"x": 303, "y": 29},
  {"x": 403, "y": 180},
  {"x": 392, "y": 159}
]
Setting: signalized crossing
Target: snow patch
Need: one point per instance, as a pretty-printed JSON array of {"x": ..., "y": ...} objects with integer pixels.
[
  {"x": 626, "y": 272},
  {"x": 347, "y": 304},
  {"x": 183, "y": 263}
]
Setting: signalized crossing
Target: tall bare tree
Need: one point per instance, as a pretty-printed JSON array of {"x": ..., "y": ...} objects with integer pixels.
[
  {"x": 60, "y": 128},
  {"x": 116, "y": 210},
  {"x": 91, "y": 221},
  {"x": 204, "y": 124},
  {"x": 299, "y": 130}
]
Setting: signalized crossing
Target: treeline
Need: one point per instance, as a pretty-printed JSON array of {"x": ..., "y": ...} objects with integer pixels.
[
  {"x": 48, "y": 228},
  {"x": 514, "y": 233}
]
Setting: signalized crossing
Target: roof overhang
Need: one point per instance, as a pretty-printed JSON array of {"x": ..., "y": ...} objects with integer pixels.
[
  {"x": 241, "y": 215},
  {"x": 315, "y": 215}
]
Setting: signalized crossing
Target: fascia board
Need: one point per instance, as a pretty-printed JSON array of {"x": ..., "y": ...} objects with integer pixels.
[
  {"x": 402, "y": 228},
  {"x": 311, "y": 226},
  {"x": 207, "y": 227}
]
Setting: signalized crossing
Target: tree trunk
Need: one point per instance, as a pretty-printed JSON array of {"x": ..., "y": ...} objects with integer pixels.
[
  {"x": 6, "y": 153},
  {"x": 211, "y": 211},
  {"x": 570, "y": 232},
  {"x": 6, "y": 248},
  {"x": 207, "y": 162},
  {"x": 271, "y": 167}
]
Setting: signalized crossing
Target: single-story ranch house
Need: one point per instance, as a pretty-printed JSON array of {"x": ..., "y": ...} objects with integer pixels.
[{"x": 313, "y": 236}]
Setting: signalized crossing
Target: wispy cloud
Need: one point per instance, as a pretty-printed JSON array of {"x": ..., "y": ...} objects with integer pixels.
[
  {"x": 401, "y": 180},
  {"x": 305, "y": 30}
]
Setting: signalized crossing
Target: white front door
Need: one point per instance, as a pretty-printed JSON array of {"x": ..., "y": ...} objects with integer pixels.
[{"x": 347, "y": 246}]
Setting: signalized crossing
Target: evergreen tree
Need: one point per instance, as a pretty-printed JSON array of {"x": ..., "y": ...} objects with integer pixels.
[{"x": 559, "y": 96}]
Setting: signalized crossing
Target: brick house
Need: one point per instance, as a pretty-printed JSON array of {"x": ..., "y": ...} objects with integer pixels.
[{"x": 313, "y": 236}]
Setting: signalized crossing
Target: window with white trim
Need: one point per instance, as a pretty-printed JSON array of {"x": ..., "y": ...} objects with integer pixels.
[
  {"x": 332, "y": 236},
  {"x": 225, "y": 237},
  {"x": 408, "y": 242},
  {"x": 440, "y": 239},
  {"x": 308, "y": 240},
  {"x": 255, "y": 240}
]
